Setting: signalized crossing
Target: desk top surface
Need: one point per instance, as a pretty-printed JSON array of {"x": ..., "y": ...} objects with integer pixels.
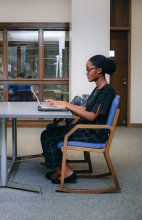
[{"x": 28, "y": 110}]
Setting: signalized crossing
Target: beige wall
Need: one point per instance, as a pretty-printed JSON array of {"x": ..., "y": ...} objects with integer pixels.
[
  {"x": 35, "y": 10},
  {"x": 136, "y": 62},
  {"x": 90, "y": 35}
]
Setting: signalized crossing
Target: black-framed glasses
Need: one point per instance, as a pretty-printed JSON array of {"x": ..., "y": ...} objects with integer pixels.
[{"x": 89, "y": 69}]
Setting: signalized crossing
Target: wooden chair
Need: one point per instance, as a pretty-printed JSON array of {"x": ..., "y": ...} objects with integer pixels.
[{"x": 95, "y": 148}]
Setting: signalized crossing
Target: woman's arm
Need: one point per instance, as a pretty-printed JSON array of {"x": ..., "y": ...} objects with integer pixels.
[{"x": 78, "y": 110}]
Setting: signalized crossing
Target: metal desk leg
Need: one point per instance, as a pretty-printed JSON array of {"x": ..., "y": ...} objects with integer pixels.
[
  {"x": 14, "y": 139},
  {"x": 5, "y": 174},
  {"x": 3, "y": 152},
  {"x": 15, "y": 185}
]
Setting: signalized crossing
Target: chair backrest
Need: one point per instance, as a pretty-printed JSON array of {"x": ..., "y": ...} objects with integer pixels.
[{"x": 113, "y": 109}]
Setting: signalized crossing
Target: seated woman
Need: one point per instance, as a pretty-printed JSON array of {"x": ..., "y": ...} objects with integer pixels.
[{"x": 96, "y": 112}]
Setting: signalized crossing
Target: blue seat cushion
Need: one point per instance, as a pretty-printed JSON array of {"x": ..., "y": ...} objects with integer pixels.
[{"x": 82, "y": 144}]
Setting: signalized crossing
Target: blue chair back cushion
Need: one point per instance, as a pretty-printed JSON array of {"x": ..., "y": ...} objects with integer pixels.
[
  {"x": 113, "y": 110},
  {"x": 110, "y": 119}
]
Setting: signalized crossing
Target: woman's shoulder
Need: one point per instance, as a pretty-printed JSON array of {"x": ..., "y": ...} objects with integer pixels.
[{"x": 108, "y": 88}]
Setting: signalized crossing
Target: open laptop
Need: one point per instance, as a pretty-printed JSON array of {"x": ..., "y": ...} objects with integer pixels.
[{"x": 42, "y": 107}]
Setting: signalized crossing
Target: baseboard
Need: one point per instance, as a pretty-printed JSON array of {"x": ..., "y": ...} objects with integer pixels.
[
  {"x": 135, "y": 125},
  {"x": 41, "y": 123},
  {"x": 31, "y": 123}
]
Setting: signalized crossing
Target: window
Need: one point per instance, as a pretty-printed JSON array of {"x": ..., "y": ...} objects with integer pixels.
[
  {"x": 23, "y": 54},
  {"x": 56, "y": 54},
  {"x": 35, "y": 54},
  {"x": 1, "y": 65}
]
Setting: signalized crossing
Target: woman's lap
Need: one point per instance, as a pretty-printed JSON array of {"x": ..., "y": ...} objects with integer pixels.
[{"x": 53, "y": 134}]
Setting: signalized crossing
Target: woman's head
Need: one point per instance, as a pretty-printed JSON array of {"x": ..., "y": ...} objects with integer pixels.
[{"x": 105, "y": 63}]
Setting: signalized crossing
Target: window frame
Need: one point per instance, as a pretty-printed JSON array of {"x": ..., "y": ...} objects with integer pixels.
[{"x": 40, "y": 27}]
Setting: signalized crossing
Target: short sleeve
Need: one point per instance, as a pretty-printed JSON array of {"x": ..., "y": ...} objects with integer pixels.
[{"x": 104, "y": 100}]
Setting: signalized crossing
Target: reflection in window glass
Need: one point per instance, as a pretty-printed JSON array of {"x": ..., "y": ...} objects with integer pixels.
[
  {"x": 56, "y": 54},
  {"x": 23, "y": 54},
  {"x": 1, "y": 66},
  {"x": 1, "y": 93},
  {"x": 20, "y": 93},
  {"x": 56, "y": 92},
  {"x": 1, "y": 52}
]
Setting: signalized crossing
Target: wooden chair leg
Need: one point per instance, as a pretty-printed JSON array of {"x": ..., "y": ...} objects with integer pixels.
[
  {"x": 87, "y": 160},
  {"x": 111, "y": 172},
  {"x": 63, "y": 167}
]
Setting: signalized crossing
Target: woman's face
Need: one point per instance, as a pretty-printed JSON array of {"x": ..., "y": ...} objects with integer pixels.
[{"x": 92, "y": 72}]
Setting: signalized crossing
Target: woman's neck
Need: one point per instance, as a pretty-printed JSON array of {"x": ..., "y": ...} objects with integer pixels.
[{"x": 101, "y": 83}]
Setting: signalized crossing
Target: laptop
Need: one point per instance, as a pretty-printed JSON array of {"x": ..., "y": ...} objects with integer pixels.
[{"x": 42, "y": 107}]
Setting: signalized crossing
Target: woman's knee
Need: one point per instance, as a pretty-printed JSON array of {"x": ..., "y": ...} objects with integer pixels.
[
  {"x": 48, "y": 131},
  {"x": 50, "y": 126},
  {"x": 43, "y": 135}
]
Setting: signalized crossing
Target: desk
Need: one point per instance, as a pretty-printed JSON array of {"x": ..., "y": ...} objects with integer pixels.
[{"x": 14, "y": 110}]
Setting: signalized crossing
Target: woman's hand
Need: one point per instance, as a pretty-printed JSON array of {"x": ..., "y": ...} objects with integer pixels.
[{"x": 51, "y": 102}]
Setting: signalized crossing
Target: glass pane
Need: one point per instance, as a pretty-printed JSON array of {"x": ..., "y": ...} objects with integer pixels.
[
  {"x": 56, "y": 54},
  {"x": 23, "y": 54},
  {"x": 23, "y": 92},
  {"x": 57, "y": 92},
  {"x": 20, "y": 92},
  {"x": 1, "y": 52},
  {"x": 1, "y": 93}
]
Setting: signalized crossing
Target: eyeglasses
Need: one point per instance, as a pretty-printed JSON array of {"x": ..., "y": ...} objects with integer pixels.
[{"x": 88, "y": 70}]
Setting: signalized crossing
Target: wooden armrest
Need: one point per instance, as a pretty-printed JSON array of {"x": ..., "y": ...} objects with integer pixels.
[
  {"x": 75, "y": 119},
  {"x": 62, "y": 121},
  {"x": 57, "y": 120}
]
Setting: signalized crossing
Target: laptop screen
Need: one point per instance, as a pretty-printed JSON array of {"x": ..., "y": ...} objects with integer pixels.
[
  {"x": 35, "y": 96},
  {"x": 47, "y": 108}
]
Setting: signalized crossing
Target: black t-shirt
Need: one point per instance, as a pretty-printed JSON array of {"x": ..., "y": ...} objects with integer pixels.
[{"x": 101, "y": 98}]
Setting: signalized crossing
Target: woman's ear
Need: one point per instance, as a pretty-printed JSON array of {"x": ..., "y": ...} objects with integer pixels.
[{"x": 99, "y": 70}]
